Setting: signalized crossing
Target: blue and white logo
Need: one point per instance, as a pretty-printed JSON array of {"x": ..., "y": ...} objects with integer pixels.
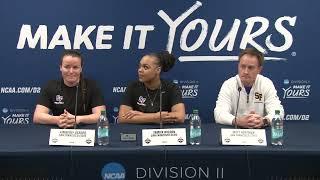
[
  {"x": 119, "y": 89},
  {"x": 5, "y": 110},
  {"x": 115, "y": 109},
  {"x": 113, "y": 170},
  {"x": 286, "y": 81},
  {"x": 298, "y": 89},
  {"x": 189, "y": 88}
]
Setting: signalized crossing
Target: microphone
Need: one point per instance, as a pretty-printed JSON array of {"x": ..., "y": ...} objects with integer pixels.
[
  {"x": 76, "y": 108},
  {"x": 160, "y": 108},
  {"x": 235, "y": 119}
]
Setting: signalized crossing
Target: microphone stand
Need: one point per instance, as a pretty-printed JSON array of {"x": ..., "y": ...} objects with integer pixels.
[
  {"x": 235, "y": 119},
  {"x": 160, "y": 108},
  {"x": 76, "y": 108},
  {"x": 72, "y": 172}
]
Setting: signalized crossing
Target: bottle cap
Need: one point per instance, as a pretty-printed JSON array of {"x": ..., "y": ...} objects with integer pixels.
[
  {"x": 103, "y": 112},
  {"x": 195, "y": 111}
]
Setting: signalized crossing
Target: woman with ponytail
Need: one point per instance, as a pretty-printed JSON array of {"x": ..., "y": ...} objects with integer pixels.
[
  {"x": 141, "y": 102},
  {"x": 57, "y": 101}
]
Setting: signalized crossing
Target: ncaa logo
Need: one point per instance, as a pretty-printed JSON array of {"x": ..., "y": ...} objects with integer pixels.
[
  {"x": 286, "y": 81},
  {"x": 5, "y": 110},
  {"x": 112, "y": 171},
  {"x": 115, "y": 109}
]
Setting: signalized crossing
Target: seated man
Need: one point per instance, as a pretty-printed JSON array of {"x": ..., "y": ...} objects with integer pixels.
[
  {"x": 247, "y": 100},
  {"x": 141, "y": 103},
  {"x": 59, "y": 96}
]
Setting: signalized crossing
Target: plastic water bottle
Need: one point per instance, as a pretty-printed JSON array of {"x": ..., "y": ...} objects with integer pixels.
[
  {"x": 103, "y": 129},
  {"x": 195, "y": 128},
  {"x": 277, "y": 129}
]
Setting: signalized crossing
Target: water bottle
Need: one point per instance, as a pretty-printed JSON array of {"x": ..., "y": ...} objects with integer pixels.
[
  {"x": 195, "y": 128},
  {"x": 103, "y": 129},
  {"x": 277, "y": 129}
]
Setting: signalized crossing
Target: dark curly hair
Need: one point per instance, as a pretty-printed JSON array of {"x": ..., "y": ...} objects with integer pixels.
[{"x": 165, "y": 60}]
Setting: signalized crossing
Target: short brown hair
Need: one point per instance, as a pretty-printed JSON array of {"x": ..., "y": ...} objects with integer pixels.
[
  {"x": 253, "y": 52},
  {"x": 73, "y": 53}
]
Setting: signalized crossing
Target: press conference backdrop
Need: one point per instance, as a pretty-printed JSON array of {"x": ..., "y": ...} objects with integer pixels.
[{"x": 206, "y": 37}]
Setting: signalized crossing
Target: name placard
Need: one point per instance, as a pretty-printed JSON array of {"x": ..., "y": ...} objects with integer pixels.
[
  {"x": 243, "y": 137},
  {"x": 72, "y": 137},
  {"x": 156, "y": 137}
]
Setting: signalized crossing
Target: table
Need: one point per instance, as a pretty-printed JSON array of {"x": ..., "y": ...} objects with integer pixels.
[{"x": 25, "y": 153}]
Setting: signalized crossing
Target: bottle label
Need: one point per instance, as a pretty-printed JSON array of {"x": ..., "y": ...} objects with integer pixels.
[
  {"x": 277, "y": 128},
  {"x": 195, "y": 132},
  {"x": 103, "y": 132},
  {"x": 277, "y": 133}
]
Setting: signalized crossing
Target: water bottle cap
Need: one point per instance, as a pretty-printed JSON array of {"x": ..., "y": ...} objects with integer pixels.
[{"x": 103, "y": 112}]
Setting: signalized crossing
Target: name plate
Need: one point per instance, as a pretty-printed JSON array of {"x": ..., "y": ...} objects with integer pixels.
[
  {"x": 72, "y": 137},
  {"x": 156, "y": 137},
  {"x": 243, "y": 137}
]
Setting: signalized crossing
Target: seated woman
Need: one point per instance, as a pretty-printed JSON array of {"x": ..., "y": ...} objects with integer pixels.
[
  {"x": 141, "y": 102},
  {"x": 57, "y": 101}
]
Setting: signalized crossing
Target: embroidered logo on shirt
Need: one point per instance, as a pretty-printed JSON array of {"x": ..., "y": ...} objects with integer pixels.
[
  {"x": 59, "y": 99},
  {"x": 141, "y": 101},
  {"x": 258, "y": 96}
]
